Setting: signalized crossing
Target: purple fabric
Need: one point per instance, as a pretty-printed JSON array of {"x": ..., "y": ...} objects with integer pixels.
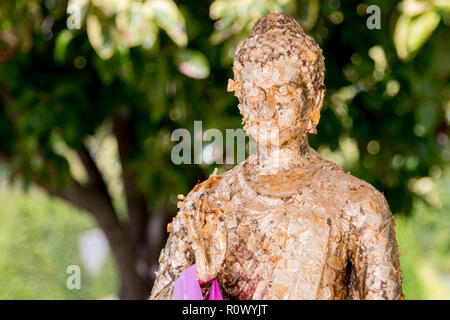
[
  {"x": 187, "y": 287},
  {"x": 215, "y": 291}
]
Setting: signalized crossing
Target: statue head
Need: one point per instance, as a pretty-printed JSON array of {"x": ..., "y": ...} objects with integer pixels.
[{"x": 278, "y": 79}]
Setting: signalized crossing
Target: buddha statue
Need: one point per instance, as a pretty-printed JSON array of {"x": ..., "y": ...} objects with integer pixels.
[{"x": 285, "y": 223}]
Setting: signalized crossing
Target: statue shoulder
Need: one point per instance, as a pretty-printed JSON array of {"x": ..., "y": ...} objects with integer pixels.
[
  {"x": 358, "y": 198},
  {"x": 216, "y": 187},
  {"x": 207, "y": 196},
  {"x": 364, "y": 204}
]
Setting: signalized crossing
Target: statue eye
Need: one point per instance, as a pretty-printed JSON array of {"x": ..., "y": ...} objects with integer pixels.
[{"x": 283, "y": 89}]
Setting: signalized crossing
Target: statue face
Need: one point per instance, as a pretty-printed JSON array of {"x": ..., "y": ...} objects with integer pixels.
[{"x": 272, "y": 102}]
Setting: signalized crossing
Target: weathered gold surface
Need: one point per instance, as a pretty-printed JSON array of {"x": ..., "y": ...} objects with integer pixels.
[{"x": 285, "y": 223}]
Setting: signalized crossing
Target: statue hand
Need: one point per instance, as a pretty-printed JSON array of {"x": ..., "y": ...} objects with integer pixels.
[{"x": 209, "y": 238}]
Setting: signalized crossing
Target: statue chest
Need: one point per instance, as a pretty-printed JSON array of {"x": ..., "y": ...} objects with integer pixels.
[{"x": 276, "y": 251}]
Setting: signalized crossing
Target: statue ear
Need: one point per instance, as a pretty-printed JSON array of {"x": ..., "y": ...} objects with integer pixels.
[
  {"x": 314, "y": 113},
  {"x": 232, "y": 85}
]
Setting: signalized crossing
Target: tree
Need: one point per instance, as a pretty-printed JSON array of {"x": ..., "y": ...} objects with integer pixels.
[{"x": 136, "y": 70}]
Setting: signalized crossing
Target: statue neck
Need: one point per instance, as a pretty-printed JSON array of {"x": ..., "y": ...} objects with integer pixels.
[{"x": 272, "y": 159}]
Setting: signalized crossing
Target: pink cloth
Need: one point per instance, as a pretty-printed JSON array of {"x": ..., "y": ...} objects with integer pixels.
[
  {"x": 215, "y": 291},
  {"x": 187, "y": 287}
]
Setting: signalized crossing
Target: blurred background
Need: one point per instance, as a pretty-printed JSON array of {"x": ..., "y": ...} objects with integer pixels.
[{"x": 91, "y": 90}]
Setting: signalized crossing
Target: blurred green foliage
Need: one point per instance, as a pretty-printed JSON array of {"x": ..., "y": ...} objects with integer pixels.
[
  {"x": 39, "y": 238},
  {"x": 424, "y": 242}
]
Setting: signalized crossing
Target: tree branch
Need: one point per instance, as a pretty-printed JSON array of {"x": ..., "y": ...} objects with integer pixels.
[
  {"x": 95, "y": 177},
  {"x": 136, "y": 204},
  {"x": 140, "y": 225}
]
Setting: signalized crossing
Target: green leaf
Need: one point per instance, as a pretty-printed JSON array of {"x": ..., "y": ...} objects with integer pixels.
[
  {"x": 411, "y": 33},
  {"x": 309, "y": 12},
  {"x": 235, "y": 16},
  {"x": 136, "y": 29},
  {"x": 193, "y": 64},
  {"x": 421, "y": 28},
  {"x": 112, "y": 7},
  {"x": 62, "y": 42},
  {"x": 101, "y": 36},
  {"x": 169, "y": 18}
]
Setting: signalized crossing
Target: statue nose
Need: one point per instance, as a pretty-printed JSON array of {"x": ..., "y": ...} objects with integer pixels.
[{"x": 266, "y": 112}]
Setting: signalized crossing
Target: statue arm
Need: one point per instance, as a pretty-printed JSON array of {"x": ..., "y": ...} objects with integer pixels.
[
  {"x": 198, "y": 236},
  {"x": 176, "y": 256},
  {"x": 375, "y": 253}
]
